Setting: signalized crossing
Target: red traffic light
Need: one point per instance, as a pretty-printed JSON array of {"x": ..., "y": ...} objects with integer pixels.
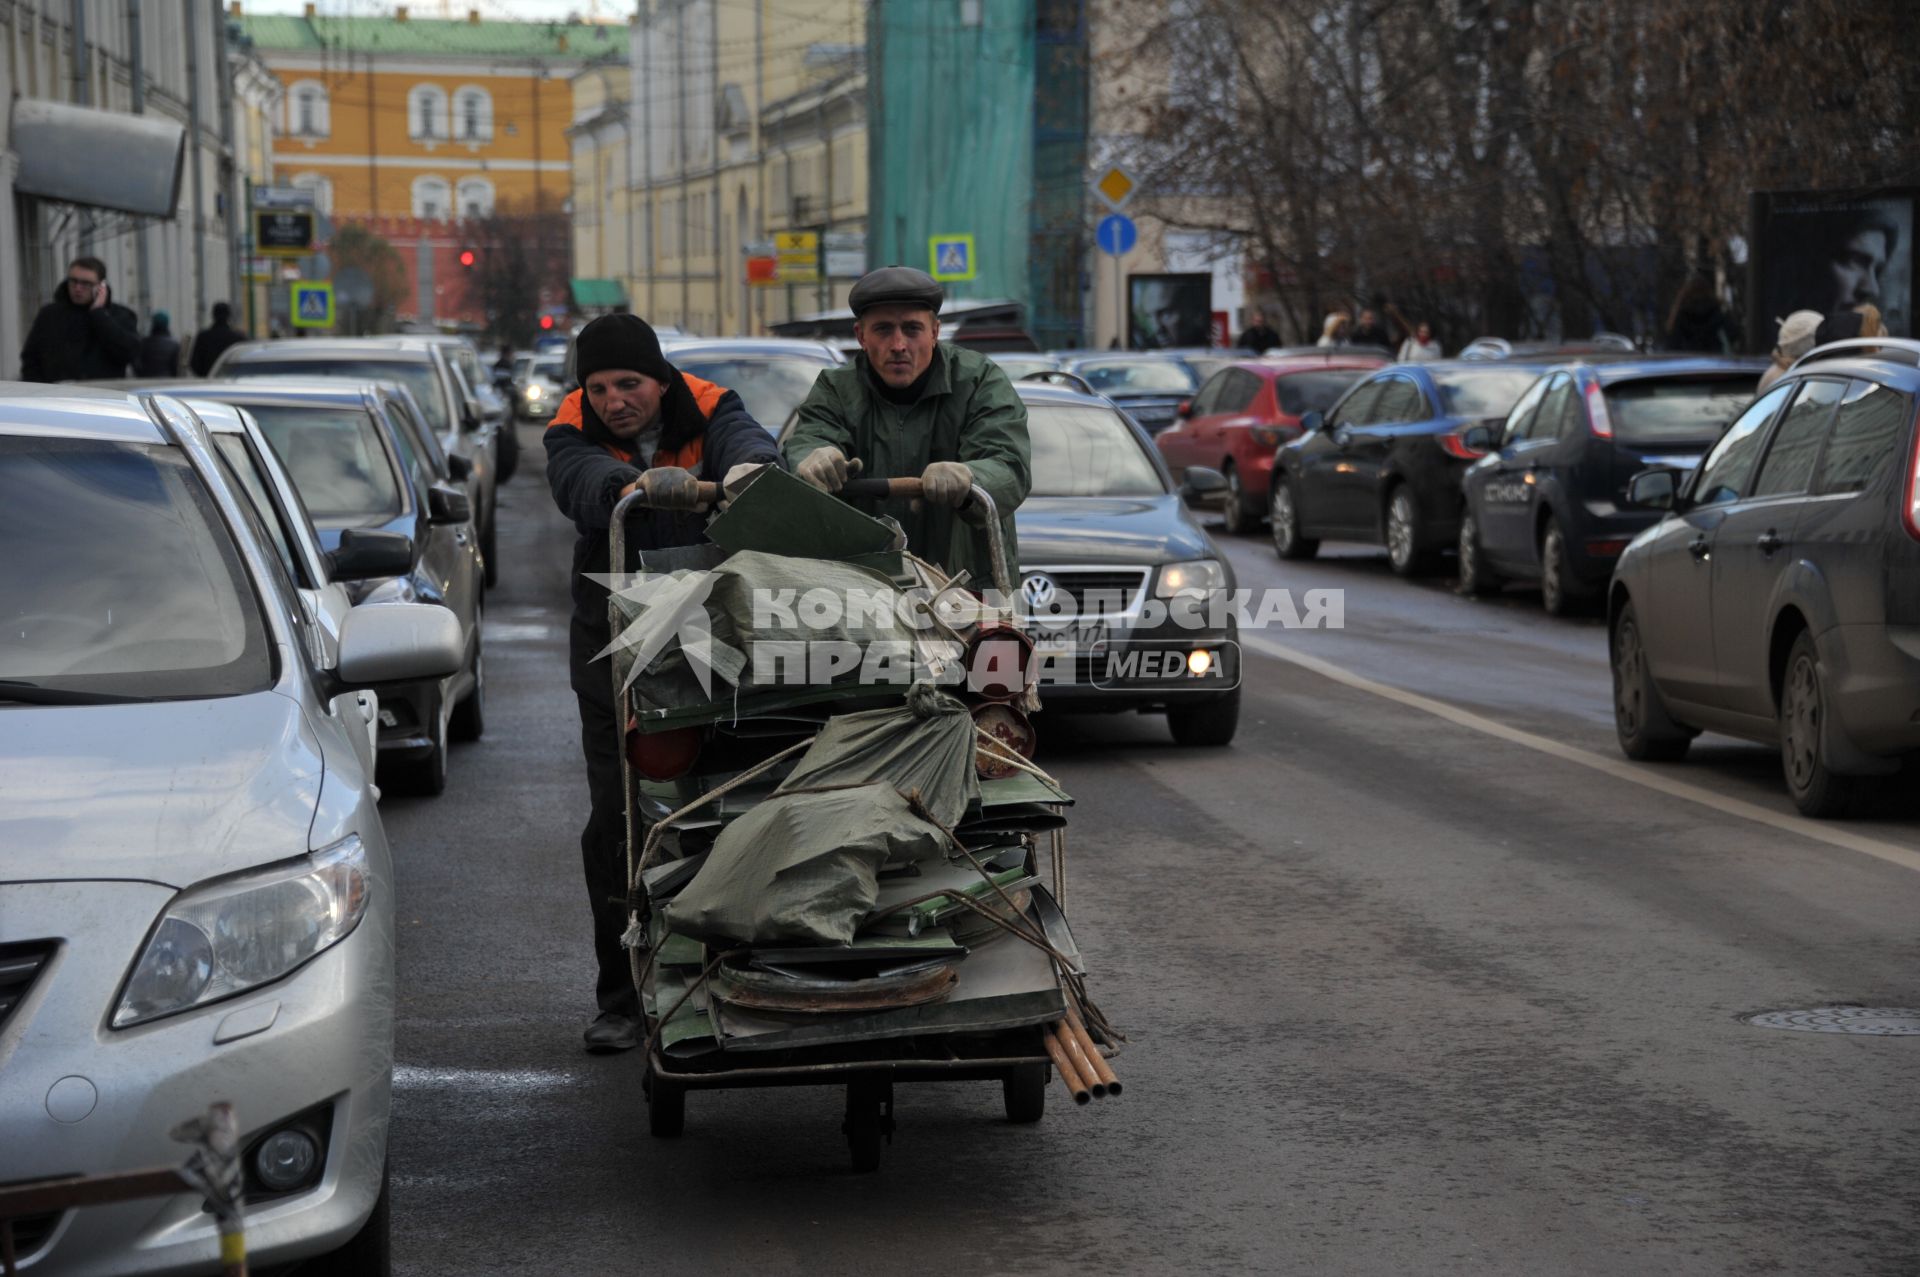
[
  {"x": 546, "y": 321},
  {"x": 466, "y": 257}
]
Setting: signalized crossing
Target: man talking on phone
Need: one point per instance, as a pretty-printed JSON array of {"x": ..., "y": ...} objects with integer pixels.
[{"x": 82, "y": 334}]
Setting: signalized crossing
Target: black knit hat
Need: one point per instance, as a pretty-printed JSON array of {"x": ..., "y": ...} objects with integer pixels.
[{"x": 620, "y": 341}]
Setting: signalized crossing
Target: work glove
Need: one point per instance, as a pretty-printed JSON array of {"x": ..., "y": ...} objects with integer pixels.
[
  {"x": 669, "y": 488},
  {"x": 946, "y": 483},
  {"x": 827, "y": 468}
]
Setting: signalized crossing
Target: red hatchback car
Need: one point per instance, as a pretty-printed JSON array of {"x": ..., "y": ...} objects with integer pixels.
[{"x": 1245, "y": 412}]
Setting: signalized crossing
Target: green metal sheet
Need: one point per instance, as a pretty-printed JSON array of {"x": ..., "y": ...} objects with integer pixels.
[{"x": 591, "y": 293}]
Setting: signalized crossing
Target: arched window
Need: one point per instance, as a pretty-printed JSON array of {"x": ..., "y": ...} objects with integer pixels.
[
  {"x": 307, "y": 114},
  {"x": 475, "y": 198},
  {"x": 427, "y": 113},
  {"x": 432, "y": 198},
  {"x": 472, "y": 114},
  {"x": 321, "y": 187}
]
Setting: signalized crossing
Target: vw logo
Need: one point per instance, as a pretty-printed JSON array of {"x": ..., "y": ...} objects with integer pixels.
[{"x": 1039, "y": 591}]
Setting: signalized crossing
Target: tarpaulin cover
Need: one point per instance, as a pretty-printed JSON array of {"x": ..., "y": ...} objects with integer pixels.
[
  {"x": 802, "y": 868},
  {"x": 923, "y": 747},
  {"x": 676, "y": 625}
]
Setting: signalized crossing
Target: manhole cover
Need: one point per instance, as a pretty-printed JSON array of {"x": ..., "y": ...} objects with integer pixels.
[{"x": 1886, "y": 1022}]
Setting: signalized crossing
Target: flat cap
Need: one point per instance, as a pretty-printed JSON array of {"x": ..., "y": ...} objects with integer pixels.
[{"x": 896, "y": 286}]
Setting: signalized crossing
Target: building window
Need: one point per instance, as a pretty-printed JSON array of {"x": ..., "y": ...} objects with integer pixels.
[
  {"x": 322, "y": 189},
  {"x": 473, "y": 113},
  {"x": 307, "y": 109},
  {"x": 476, "y": 197},
  {"x": 432, "y": 198},
  {"x": 427, "y": 113}
]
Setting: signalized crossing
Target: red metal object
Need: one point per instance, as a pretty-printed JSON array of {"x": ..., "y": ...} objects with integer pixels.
[{"x": 663, "y": 755}]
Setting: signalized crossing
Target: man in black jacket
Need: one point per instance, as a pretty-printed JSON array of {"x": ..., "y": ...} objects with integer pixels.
[
  {"x": 637, "y": 423},
  {"x": 211, "y": 341},
  {"x": 82, "y": 334}
]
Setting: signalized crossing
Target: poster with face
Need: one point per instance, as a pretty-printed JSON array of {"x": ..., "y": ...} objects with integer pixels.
[
  {"x": 1828, "y": 251},
  {"x": 1169, "y": 311}
]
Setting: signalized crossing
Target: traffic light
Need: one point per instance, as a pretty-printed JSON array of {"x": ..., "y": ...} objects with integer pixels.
[
  {"x": 466, "y": 258},
  {"x": 546, "y": 321}
]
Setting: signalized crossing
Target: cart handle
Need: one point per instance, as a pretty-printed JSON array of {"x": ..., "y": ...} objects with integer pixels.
[{"x": 979, "y": 507}]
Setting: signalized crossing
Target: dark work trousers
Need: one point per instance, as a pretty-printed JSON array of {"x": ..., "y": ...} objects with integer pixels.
[{"x": 603, "y": 843}]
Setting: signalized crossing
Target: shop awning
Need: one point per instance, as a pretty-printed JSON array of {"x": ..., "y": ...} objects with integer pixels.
[{"x": 598, "y": 294}]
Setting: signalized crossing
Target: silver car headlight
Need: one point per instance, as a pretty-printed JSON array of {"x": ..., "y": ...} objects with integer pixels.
[
  {"x": 234, "y": 934},
  {"x": 1198, "y": 578}
]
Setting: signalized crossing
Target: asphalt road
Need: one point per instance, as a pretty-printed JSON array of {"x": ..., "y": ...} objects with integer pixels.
[{"x": 1418, "y": 976}]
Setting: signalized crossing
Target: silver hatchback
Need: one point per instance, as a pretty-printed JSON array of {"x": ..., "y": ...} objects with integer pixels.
[{"x": 196, "y": 896}]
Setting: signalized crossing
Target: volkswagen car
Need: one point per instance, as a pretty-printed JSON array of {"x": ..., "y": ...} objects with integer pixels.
[{"x": 197, "y": 891}]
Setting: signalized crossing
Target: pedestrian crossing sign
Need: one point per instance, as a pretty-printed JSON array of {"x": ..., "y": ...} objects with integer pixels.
[
  {"x": 312, "y": 305},
  {"x": 951, "y": 257}
]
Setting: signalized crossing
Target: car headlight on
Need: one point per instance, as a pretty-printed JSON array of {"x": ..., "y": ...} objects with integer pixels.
[
  {"x": 536, "y": 391},
  {"x": 1196, "y": 578},
  {"x": 234, "y": 934}
]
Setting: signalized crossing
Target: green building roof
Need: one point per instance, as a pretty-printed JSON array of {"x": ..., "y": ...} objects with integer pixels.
[{"x": 437, "y": 37}]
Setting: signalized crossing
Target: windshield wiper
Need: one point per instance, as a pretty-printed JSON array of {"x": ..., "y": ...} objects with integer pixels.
[{"x": 21, "y": 692}]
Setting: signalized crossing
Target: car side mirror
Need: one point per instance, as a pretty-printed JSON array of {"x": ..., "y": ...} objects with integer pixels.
[
  {"x": 447, "y": 504},
  {"x": 1312, "y": 421},
  {"x": 1201, "y": 481},
  {"x": 1653, "y": 489},
  {"x": 1481, "y": 438},
  {"x": 366, "y": 555},
  {"x": 459, "y": 468},
  {"x": 387, "y": 643},
  {"x": 1184, "y": 409}
]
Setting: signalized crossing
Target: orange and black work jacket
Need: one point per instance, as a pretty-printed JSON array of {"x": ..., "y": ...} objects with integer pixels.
[{"x": 704, "y": 428}]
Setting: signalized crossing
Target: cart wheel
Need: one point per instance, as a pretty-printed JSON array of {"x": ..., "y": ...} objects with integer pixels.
[
  {"x": 1025, "y": 1088},
  {"x": 869, "y": 1122},
  {"x": 666, "y": 1106}
]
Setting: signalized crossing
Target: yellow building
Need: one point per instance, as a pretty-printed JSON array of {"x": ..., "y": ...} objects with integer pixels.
[{"x": 433, "y": 119}]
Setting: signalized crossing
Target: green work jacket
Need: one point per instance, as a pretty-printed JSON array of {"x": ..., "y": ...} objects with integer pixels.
[{"x": 968, "y": 412}]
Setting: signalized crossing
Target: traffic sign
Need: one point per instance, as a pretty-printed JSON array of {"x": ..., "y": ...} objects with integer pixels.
[
  {"x": 312, "y": 304},
  {"x": 798, "y": 254},
  {"x": 1116, "y": 186},
  {"x": 951, "y": 257},
  {"x": 283, "y": 232},
  {"x": 1116, "y": 234}
]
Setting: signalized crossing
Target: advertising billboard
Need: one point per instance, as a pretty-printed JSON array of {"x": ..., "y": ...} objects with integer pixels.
[
  {"x": 1829, "y": 251},
  {"x": 1168, "y": 311}
]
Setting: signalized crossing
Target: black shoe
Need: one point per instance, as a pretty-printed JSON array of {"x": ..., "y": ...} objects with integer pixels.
[{"x": 610, "y": 1032}]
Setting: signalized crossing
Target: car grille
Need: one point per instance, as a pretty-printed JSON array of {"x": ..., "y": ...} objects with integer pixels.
[
  {"x": 1093, "y": 592},
  {"x": 20, "y": 966},
  {"x": 33, "y": 1232}
]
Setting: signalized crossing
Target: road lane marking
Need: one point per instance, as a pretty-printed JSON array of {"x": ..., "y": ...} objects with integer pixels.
[
  {"x": 490, "y": 1081},
  {"x": 1892, "y": 853}
]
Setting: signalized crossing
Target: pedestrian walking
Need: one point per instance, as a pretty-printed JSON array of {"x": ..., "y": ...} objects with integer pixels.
[
  {"x": 1370, "y": 331},
  {"x": 211, "y": 341},
  {"x": 1333, "y": 332},
  {"x": 1796, "y": 339},
  {"x": 82, "y": 334},
  {"x": 1421, "y": 347},
  {"x": 1698, "y": 322},
  {"x": 159, "y": 354},
  {"x": 1260, "y": 335}
]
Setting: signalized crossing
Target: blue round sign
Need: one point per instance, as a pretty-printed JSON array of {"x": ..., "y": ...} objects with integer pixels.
[{"x": 1117, "y": 234}]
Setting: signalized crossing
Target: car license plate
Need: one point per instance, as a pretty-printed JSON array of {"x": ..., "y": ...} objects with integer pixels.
[{"x": 1075, "y": 636}]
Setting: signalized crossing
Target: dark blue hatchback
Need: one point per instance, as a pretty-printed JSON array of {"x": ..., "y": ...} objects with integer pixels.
[
  {"x": 1384, "y": 466},
  {"x": 1549, "y": 502}
]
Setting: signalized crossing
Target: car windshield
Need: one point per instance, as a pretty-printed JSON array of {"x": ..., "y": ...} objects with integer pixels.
[
  {"x": 118, "y": 577},
  {"x": 1483, "y": 392},
  {"x": 1015, "y": 367},
  {"x": 1139, "y": 376},
  {"x": 1671, "y": 411},
  {"x": 771, "y": 386},
  {"x": 417, "y": 376},
  {"x": 334, "y": 457},
  {"x": 1080, "y": 450},
  {"x": 552, "y": 369},
  {"x": 1303, "y": 392}
]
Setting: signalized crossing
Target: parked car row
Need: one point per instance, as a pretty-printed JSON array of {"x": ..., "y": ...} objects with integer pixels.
[{"x": 193, "y": 872}]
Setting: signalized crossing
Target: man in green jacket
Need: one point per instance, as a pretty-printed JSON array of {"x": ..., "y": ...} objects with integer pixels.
[{"x": 910, "y": 404}]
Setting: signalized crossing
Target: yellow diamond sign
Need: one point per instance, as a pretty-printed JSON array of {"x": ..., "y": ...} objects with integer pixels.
[{"x": 1116, "y": 186}]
